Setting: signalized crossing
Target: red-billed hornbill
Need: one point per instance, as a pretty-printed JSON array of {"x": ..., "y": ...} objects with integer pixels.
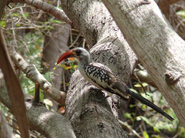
[{"x": 104, "y": 79}]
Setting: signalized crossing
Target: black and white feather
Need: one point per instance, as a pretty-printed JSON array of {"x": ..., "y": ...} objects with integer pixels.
[{"x": 102, "y": 77}]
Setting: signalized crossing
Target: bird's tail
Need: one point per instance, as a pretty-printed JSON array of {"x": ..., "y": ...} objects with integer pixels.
[{"x": 147, "y": 102}]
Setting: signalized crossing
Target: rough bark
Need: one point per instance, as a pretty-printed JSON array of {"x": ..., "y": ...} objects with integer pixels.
[
  {"x": 169, "y": 11},
  {"x": 14, "y": 88},
  {"x": 2, "y": 6},
  {"x": 110, "y": 48},
  {"x": 58, "y": 13},
  {"x": 88, "y": 117},
  {"x": 5, "y": 130},
  {"x": 12, "y": 83},
  {"x": 55, "y": 43},
  {"x": 98, "y": 27},
  {"x": 158, "y": 47},
  {"x": 32, "y": 73},
  {"x": 48, "y": 123}
]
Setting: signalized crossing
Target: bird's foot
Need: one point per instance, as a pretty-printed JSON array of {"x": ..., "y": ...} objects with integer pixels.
[
  {"x": 35, "y": 103},
  {"x": 38, "y": 103}
]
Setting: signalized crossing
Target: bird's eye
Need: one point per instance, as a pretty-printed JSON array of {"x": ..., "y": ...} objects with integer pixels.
[{"x": 78, "y": 52}]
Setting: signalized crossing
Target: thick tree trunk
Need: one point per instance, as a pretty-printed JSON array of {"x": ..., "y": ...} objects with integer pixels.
[
  {"x": 55, "y": 43},
  {"x": 91, "y": 118},
  {"x": 48, "y": 123},
  {"x": 5, "y": 130},
  {"x": 157, "y": 45}
]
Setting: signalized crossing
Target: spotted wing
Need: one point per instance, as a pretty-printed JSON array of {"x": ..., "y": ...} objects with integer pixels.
[{"x": 104, "y": 79}]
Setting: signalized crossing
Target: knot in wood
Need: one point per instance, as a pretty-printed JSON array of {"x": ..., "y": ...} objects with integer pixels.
[
  {"x": 172, "y": 77},
  {"x": 101, "y": 126}
]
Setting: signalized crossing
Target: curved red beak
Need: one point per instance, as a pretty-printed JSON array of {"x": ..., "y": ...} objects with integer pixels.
[{"x": 66, "y": 55}]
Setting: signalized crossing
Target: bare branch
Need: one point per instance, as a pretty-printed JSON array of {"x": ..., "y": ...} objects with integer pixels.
[
  {"x": 111, "y": 49},
  {"x": 50, "y": 124},
  {"x": 157, "y": 45},
  {"x": 2, "y": 5},
  {"x": 5, "y": 131},
  {"x": 32, "y": 73},
  {"x": 14, "y": 89},
  {"x": 58, "y": 13},
  {"x": 144, "y": 77}
]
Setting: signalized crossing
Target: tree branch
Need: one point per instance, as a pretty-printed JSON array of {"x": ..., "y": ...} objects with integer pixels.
[
  {"x": 144, "y": 77},
  {"x": 110, "y": 48},
  {"x": 159, "y": 48},
  {"x": 2, "y": 6},
  {"x": 50, "y": 124},
  {"x": 5, "y": 130},
  {"x": 14, "y": 89},
  {"x": 32, "y": 73},
  {"x": 58, "y": 13}
]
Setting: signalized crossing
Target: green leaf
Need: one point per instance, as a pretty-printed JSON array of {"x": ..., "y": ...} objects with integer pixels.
[
  {"x": 145, "y": 119},
  {"x": 156, "y": 136},
  {"x": 128, "y": 115},
  {"x": 14, "y": 14},
  {"x": 147, "y": 96},
  {"x": 143, "y": 106},
  {"x": 25, "y": 15},
  {"x": 181, "y": 13},
  {"x": 18, "y": 25},
  {"x": 139, "y": 85},
  {"x": 55, "y": 21},
  {"x": 59, "y": 7},
  {"x": 156, "y": 130},
  {"x": 48, "y": 75},
  {"x": 133, "y": 90},
  {"x": 145, "y": 134},
  {"x": 132, "y": 105},
  {"x": 64, "y": 66},
  {"x": 148, "y": 122},
  {"x": 75, "y": 66},
  {"x": 67, "y": 84},
  {"x": 162, "y": 125},
  {"x": 49, "y": 27},
  {"x": 41, "y": 95},
  {"x": 2, "y": 24}
]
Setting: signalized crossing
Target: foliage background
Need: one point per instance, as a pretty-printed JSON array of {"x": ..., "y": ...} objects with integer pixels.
[{"x": 24, "y": 28}]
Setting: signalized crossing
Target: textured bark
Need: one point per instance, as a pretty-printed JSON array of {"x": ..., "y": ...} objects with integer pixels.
[
  {"x": 55, "y": 43},
  {"x": 58, "y": 13},
  {"x": 32, "y": 73},
  {"x": 158, "y": 47},
  {"x": 48, "y": 123},
  {"x": 88, "y": 117},
  {"x": 14, "y": 89},
  {"x": 110, "y": 48},
  {"x": 5, "y": 130},
  {"x": 169, "y": 11},
  {"x": 2, "y": 6},
  {"x": 143, "y": 76},
  {"x": 12, "y": 83}
]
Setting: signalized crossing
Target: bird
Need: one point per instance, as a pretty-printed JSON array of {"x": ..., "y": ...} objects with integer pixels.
[{"x": 104, "y": 79}]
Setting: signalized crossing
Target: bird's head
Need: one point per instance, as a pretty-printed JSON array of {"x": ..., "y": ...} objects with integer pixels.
[{"x": 81, "y": 54}]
